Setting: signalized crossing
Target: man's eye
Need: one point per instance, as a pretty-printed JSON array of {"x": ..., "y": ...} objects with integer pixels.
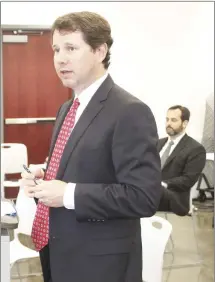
[
  {"x": 56, "y": 50},
  {"x": 71, "y": 48}
]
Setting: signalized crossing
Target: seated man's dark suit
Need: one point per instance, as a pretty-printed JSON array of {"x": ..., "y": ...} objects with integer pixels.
[{"x": 180, "y": 173}]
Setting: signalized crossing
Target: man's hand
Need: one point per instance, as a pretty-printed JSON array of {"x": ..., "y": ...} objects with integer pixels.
[
  {"x": 164, "y": 184},
  {"x": 27, "y": 179},
  {"x": 35, "y": 172},
  {"x": 50, "y": 192}
]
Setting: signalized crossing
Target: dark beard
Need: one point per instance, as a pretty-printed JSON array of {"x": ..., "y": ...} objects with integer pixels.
[{"x": 174, "y": 132}]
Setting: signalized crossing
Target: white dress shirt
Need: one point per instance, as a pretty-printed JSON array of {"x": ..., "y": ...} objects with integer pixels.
[
  {"x": 84, "y": 98},
  {"x": 176, "y": 141}
]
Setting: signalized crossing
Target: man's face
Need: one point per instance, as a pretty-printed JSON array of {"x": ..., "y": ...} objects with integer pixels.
[
  {"x": 75, "y": 62},
  {"x": 174, "y": 124}
]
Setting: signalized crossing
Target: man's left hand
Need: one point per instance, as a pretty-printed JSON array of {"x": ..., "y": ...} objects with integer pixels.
[{"x": 50, "y": 193}]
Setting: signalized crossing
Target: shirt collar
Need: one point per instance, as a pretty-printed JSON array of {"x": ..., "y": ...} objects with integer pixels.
[
  {"x": 86, "y": 95},
  {"x": 177, "y": 139}
]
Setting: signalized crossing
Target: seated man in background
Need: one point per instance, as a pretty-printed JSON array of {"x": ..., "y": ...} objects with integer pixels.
[{"x": 182, "y": 161}]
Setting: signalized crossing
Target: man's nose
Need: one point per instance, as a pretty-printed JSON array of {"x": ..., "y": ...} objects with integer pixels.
[{"x": 61, "y": 58}]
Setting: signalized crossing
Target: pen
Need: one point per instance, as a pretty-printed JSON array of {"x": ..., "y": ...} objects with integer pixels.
[{"x": 27, "y": 169}]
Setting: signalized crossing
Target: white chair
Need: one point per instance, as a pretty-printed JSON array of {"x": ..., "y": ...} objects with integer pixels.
[
  {"x": 191, "y": 213},
  {"x": 25, "y": 208},
  {"x": 206, "y": 181},
  {"x": 154, "y": 240},
  {"x": 15, "y": 155},
  {"x": 204, "y": 184}
]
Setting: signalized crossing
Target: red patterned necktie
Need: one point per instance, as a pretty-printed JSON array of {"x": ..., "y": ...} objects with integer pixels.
[{"x": 40, "y": 228}]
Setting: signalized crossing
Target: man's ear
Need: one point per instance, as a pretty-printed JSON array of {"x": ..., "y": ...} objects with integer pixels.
[
  {"x": 102, "y": 52},
  {"x": 185, "y": 123}
]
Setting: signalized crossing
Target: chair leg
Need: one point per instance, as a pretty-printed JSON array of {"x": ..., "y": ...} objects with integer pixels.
[
  {"x": 18, "y": 271},
  {"x": 171, "y": 239},
  {"x": 196, "y": 240},
  {"x": 172, "y": 242},
  {"x": 26, "y": 276},
  {"x": 200, "y": 260}
]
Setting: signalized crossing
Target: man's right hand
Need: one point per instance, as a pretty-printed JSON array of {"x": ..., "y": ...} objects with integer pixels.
[{"x": 27, "y": 180}]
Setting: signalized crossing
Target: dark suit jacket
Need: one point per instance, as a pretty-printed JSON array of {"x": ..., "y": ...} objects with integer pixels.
[
  {"x": 180, "y": 172},
  {"x": 112, "y": 156}
]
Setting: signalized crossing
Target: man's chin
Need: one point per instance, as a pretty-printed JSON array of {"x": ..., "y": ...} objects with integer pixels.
[
  {"x": 170, "y": 132},
  {"x": 68, "y": 83}
]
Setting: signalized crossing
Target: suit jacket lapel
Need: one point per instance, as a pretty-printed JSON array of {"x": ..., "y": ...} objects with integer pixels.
[
  {"x": 177, "y": 150},
  {"x": 161, "y": 143},
  {"x": 91, "y": 111}
]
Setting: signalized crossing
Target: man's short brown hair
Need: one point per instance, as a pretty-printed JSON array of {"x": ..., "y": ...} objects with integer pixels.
[
  {"x": 185, "y": 113},
  {"x": 96, "y": 30}
]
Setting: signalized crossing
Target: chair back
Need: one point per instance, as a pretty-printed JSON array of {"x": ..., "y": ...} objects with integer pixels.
[
  {"x": 208, "y": 171},
  {"x": 206, "y": 178},
  {"x": 15, "y": 155},
  {"x": 155, "y": 232}
]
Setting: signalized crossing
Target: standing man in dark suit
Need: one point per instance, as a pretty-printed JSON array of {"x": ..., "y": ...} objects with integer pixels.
[
  {"x": 182, "y": 161},
  {"x": 103, "y": 171}
]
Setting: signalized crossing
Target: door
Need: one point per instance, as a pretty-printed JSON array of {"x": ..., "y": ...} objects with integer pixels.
[{"x": 32, "y": 92}]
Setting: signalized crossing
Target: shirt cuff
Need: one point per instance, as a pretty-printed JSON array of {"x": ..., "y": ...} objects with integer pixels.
[
  {"x": 68, "y": 197},
  {"x": 165, "y": 185}
]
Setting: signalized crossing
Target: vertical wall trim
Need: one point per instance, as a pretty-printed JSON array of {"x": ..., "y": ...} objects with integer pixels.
[{"x": 1, "y": 95}]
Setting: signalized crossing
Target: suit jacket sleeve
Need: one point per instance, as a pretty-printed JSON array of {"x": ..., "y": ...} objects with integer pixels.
[
  {"x": 194, "y": 166},
  {"x": 173, "y": 201},
  {"x": 136, "y": 160}
]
